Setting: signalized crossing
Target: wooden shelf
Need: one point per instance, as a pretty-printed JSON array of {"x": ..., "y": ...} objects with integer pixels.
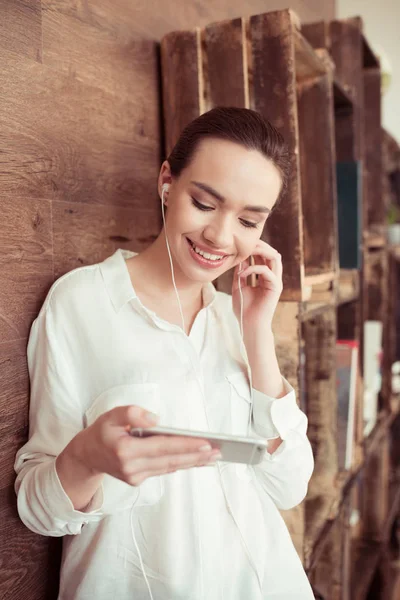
[
  {"x": 308, "y": 64},
  {"x": 347, "y": 297},
  {"x": 368, "y": 553},
  {"x": 310, "y": 310},
  {"x": 374, "y": 240},
  {"x": 344, "y": 483},
  {"x": 342, "y": 96},
  {"x": 370, "y": 60}
]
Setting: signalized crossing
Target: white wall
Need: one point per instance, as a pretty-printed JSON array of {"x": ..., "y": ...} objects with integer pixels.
[{"x": 381, "y": 27}]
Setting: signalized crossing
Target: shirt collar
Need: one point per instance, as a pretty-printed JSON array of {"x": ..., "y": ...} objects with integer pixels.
[{"x": 119, "y": 285}]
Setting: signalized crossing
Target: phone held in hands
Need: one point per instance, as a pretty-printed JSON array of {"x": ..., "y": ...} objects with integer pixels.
[{"x": 233, "y": 448}]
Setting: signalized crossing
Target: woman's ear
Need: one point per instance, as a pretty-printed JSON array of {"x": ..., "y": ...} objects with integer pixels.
[{"x": 165, "y": 177}]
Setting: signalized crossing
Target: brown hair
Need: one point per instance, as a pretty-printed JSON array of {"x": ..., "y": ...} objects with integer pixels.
[{"x": 240, "y": 125}]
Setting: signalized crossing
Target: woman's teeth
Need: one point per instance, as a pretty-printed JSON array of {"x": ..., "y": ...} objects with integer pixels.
[{"x": 206, "y": 254}]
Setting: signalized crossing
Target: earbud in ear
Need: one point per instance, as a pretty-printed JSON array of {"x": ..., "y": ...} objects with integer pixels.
[{"x": 164, "y": 188}]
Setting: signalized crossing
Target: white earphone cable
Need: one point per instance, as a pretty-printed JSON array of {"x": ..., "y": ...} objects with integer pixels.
[
  {"x": 164, "y": 187},
  {"x": 170, "y": 257}
]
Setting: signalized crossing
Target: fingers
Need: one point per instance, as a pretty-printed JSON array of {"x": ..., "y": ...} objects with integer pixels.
[
  {"x": 160, "y": 445},
  {"x": 265, "y": 252},
  {"x": 141, "y": 458},
  {"x": 267, "y": 278},
  {"x": 151, "y": 467},
  {"x": 132, "y": 416}
]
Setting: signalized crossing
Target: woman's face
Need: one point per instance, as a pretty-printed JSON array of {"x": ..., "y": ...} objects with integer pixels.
[{"x": 218, "y": 206}]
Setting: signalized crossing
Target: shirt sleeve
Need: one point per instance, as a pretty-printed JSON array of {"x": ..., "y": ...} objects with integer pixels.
[
  {"x": 285, "y": 474},
  {"x": 55, "y": 417}
]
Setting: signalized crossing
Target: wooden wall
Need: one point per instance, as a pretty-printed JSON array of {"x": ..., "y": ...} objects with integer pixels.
[{"x": 80, "y": 148}]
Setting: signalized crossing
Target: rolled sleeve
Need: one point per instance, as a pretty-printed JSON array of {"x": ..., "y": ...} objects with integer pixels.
[
  {"x": 45, "y": 507},
  {"x": 276, "y": 417}
]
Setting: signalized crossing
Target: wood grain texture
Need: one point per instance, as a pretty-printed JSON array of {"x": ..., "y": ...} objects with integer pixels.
[
  {"x": 327, "y": 576},
  {"x": 375, "y": 210},
  {"x": 318, "y": 178},
  {"x": 227, "y": 77},
  {"x": 25, "y": 557},
  {"x": 376, "y": 274},
  {"x": 320, "y": 336},
  {"x": 317, "y": 34},
  {"x": 286, "y": 332},
  {"x": 93, "y": 56},
  {"x": 21, "y": 27},
  {"x": 182, "y": 77},
  {"x": 86, "y": 234},
  {"x": 274, "y": 97},
  {"x": 127, "y": 19},
  {"x": 68, "y": 140},
  {"x": 346, "y": 47},
  {"x": 26, "y": 263},
  {"x": 374, "y": 506}
]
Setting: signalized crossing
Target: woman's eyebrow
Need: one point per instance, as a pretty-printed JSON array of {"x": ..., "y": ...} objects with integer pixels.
[{"x": 209, "y": 190}]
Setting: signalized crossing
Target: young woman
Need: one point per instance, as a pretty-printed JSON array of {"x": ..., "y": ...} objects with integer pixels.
[{"x": 145, "y": 338}]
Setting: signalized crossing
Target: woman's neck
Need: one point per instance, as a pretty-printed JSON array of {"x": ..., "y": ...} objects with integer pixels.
[{"x": 151, "y": 271}]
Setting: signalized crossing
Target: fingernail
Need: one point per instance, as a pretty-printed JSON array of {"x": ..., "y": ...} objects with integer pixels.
[
  {"x": 205, "y": 448},
  {"x": 151, "y": 417},
  {"x": 215, "y": 457}
]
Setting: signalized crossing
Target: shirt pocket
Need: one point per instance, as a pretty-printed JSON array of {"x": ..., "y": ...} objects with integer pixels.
[
  {"x": 240, "y": 409},
  {"x": 118, "y": 495},
  {"x": 240, "y": 403}
]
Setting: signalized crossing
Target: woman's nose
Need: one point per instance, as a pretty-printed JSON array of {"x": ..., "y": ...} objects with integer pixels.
[{"x": 219, "y": 234}]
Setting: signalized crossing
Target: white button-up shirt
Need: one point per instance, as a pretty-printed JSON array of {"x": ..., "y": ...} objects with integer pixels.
[{"x": 205, "y": 533}]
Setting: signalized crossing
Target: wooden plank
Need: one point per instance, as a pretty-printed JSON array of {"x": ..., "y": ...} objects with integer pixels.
[
  {"x": 182, "y": 77},
  {"x": 370, "y": 60},
  {"x": 342, "y": 100},
  {"x": 14, "y": 397},
  {"x": 390, "y": 333},
  {"x": 87, "y": 234},
  {"x": 96, "y": 58},
  {"x": 321, "y": 402},
  {"x": 26, "y": 262},
  {"x": 286, "y": 333},
  {"x": 326, "y": 576},
  {"x": 347, "y": 52},
  {"x": 318, "y": 176},
  {"x": 25, "y": 557},
  {"x": 30, "y": 563},
  {"x": 308, "y": 64},
  {"x": 317, "y": 34},
  {"x": 375, "y": 274},
  {"x": 376, "y": 210},
  {"x": 226, "y": 58},
  {"x": 274, "y": 97},
  {"x": 375, "y": 491},
  {"x": 68, "y": 140},
  {"x": 21, "y": 28},
  {"x": 134, "y": 20}
]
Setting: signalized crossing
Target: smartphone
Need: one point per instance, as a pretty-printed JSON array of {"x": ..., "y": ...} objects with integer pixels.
[{"x": 233, "y": 448}]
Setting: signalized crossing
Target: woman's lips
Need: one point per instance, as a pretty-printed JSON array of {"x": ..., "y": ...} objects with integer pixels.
[{"x": 205, "y": 262}]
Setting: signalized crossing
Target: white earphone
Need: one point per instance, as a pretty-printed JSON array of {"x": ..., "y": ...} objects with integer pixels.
[{"x": 164, "y": 188}]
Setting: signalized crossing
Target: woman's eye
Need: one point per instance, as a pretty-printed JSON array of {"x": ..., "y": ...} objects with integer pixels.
[
  {"x": 200, "y": 206},
  {"x": 248, "y": 223}
]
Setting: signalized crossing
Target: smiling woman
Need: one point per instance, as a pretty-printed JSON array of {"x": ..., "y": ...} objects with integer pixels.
[{"x": 148, "y": 333}]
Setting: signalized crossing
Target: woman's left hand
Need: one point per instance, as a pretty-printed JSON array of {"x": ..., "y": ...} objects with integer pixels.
[{"x": 260, "y": 302}]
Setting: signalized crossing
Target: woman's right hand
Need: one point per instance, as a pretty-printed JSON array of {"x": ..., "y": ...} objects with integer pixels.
[{"x": 107, "y": 447}]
